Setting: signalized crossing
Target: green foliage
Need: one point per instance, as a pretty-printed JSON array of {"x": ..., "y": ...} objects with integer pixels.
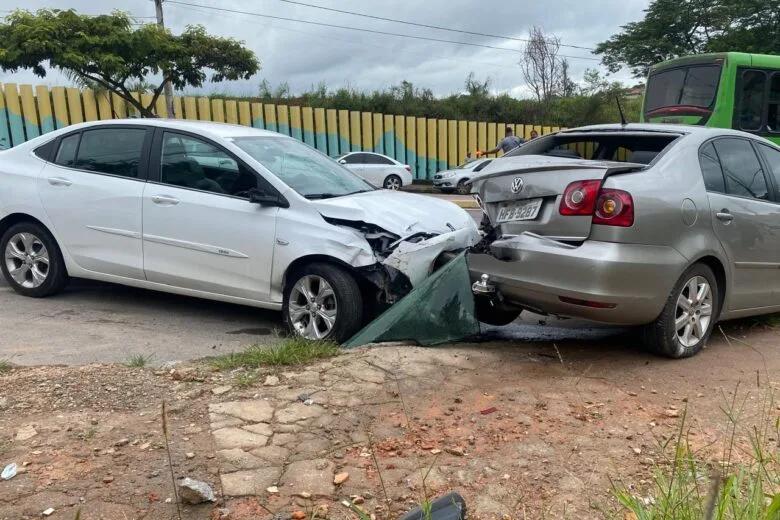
[
  {"x": 673, "y": 28},
  {"x": 592, "y": 104},
  {"x": 291, "y": 351},
  {"x": 109, "y": 51}
]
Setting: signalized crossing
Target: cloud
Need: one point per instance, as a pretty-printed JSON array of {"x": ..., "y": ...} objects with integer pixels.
[{"x": 304, "y": 55}]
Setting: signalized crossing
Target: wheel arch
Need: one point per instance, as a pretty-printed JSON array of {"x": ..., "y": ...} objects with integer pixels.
[
  {"x": 16, "y": 218},
  {"x": 719, "y": 270}
]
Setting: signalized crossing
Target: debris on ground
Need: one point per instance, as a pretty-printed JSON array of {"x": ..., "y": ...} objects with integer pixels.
[
  {"x": 193, "y": 491},
  {"x": 9, "y": 472}
]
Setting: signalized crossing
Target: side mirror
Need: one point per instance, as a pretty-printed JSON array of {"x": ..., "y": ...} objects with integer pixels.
[
  {"x": 257, "y": 196},
  {"x": 342, "y": 161}
]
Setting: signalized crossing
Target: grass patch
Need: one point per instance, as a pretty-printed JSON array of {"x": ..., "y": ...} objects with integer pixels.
[
  {"x": 138, "y": 361},
  {"x": 742, "y": 482},
  {"x": 291, "y": 352},
  {"x": 5, "y": 366},
  {"x": 4, "y": 447},
  {"x": 245, "y": 380}
]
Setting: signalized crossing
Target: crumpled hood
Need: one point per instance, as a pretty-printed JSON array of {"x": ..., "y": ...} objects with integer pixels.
[{"x": 397, "y": 212}]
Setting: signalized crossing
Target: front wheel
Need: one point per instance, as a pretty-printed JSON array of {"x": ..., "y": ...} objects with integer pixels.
[
  {"x": 323, "y": 302},
  {"x": 393, "y": 182},
  {"x": 32, "y": 263},
  {"x": 463, "y": 188},
  {"x": 689, "y": 315}
]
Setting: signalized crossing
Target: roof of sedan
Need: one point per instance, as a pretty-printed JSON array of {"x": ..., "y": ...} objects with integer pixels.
[
  {"x": 220, "y": 129},
  {"x": 650, "y": 128}
]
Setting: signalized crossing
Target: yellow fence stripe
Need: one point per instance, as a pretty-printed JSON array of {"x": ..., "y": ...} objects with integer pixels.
[
  {"x": 296, "y": 125},
  {"x": 422, "y": 148},
  {"x": 354, "y": 130},
  {"x": 104, "y": 106},
  {"x": 408, "y": 140},
  {"x": 379, "y": 134},
  {"x": 161, "y": 107},
  {"x": 190, "y": 108},
  {"x": 366, "y": 126},
  {"x": 482, "y": 142},
  {"x": 74, "y": 105},
  {"x": 60, "y": 106},
  {"x": 218, "y": 110},
  {"x": 178, "y": 110},
  {"x": 43, "y": 100},
  {"x": 492, "y": 139},
  {"x": 463, "y": 136},
  {"x": 320, "y": 131},
  {"x": 117, "y": 102},
  {"x": 452, "y": 144},
  {"x": 332, "y": 122},
  {"x": 244, "y": 113},
  {"x": 146, "y": 101},
  {"x": 269, "y": 112},
  {"x": 90, "y": 105},
  {"x": 31, "y": 124},
  {"x": 257, "y": 115},
  {"x": 344, "y": 139},
  {"x": 231, "y": 112},
  {"x": 204, "y": 109},
  {"x": 307, "y": 117},
  {"x": 283, "y": 119},
  {"x": 473, "y": 146},
  {"x": 433, "y": 152}
]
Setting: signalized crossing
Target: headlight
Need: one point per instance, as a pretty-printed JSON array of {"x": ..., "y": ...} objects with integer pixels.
[
  {"x": 448, "y": 175},
  {"x": 480, "y": 203}
]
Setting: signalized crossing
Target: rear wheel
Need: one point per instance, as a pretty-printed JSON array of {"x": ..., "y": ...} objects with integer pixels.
[
  {"x": 393, "y": 182},
  {"x": 689, "y": 315},
  {"x": 31, "y": 262},
  {"x": 323, "y": 302},
  {"x": 463, "y": 188},
  {"x": 492, "y": 315}
]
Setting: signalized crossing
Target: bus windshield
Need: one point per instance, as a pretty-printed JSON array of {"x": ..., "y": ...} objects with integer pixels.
[{"x": 694, "y": 86}]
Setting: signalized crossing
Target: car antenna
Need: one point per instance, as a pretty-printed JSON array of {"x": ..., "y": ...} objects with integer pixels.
[{"x": 620, "y": 109}]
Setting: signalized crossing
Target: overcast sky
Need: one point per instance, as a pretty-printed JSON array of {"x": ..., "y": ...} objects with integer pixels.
[{"x": 304, "y": 55}]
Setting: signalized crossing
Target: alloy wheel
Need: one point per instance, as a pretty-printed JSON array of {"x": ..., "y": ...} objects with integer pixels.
[
  {"x": 393, "y": 183},
  {"x": 27, "y": 260},
  {"x": 694, "y": 311},
  {"x": 312, "y": 307}
]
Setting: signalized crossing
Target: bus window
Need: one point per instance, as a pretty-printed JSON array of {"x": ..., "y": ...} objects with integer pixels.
[
  {"x": 773, "y": 121},
  {"x": 751, "y": 105},
  {"x": 692, "y": 87}
]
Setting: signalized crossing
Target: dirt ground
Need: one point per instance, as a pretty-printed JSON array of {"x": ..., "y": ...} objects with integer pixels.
[{"x": 521, "y": 430}]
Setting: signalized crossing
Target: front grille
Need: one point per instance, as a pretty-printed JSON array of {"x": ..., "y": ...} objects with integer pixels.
[{"x": 437, "y": 176}]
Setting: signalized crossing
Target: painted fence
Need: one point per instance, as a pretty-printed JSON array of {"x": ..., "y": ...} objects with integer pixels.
[{"x": 426, "y": 145}]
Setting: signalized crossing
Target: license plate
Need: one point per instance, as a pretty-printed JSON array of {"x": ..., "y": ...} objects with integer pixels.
[{"x": 520, "y": 210}]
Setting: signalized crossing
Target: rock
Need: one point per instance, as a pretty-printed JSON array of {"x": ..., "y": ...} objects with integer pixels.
[
  {"x": 298, "y": 515},
  {"x": 250, "y": 411},
  {"x": 340, "y": 478},
  {"x": 358, "y": 500},
  {"x": 122, "y": 442},
  {"x": 435, "y": 451},
  {"x": 271, "y": 381},
  {"x": 220, "y": 390},
  {"x": 154, "y": 474},
  {"x": 25, "y": 433},
  {"x": 647, "y": 461},
  {"x": 190, "y": 455},
  {"x": 632, "y": 394},
  {"x": 108, "y": 479},
  {"x": 224, "y": 512},
  {"x": 304, "y": 494},
  {"x": 282, "y": 515},
  {"x": 48, "y": 512},
  {"x": 458, "y": 452},
  {"x": 672, "y": 413},
  {"x": 637, "y": 451},
  {"x": 193, "y": 491},
  {"x": 272, "y": 490},
  {"x": 145, "y": 446}
]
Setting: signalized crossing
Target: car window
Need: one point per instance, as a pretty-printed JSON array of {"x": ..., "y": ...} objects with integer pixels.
[
  {"x": 481, "y": 167},
  {"x": 751, "y": 106},
  {"x": 773, "y": 121},
  {"x": 772, "y": 156},
  {"x": 44, "y": 151},
  {"x": 711, "y": 170},
  {"x": 741, "y": 168},
  {"x": 115, "y": 151},
  {"x": 377, "y": 159},
  {"x": 355, "y": 158},
  {"x": 310, "y": 173},
  {"x": 66, "y": 155},
  {"x": 189, "y": 162}
]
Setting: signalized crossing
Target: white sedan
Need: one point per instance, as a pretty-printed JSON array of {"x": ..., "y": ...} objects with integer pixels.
[
  {"x": 380, "y": 170},
  {"x": 216, "y": 211},
  {"x": 457, "y": 179}
]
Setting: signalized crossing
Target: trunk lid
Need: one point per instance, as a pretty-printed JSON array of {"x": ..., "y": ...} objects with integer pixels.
[{"x": 513, "y": 187}]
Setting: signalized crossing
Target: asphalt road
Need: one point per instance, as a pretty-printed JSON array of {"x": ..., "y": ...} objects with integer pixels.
[{"x": 97, "y": 322}]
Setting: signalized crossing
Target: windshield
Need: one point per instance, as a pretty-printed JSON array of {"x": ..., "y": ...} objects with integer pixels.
[
  {"x": 634, "y": 147},
  {"x": 304, "y": 169},
  {"x": 694, "y": 86},
  {"x": 466, "y": 164}
]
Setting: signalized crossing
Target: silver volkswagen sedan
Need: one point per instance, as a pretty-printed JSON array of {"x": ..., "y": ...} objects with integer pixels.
[{"x": 667, "y": 227}]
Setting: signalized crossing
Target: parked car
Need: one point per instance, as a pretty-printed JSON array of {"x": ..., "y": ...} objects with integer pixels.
[
  {"x": 216, "y": 211},
  {"x": 457, "y": 179},
  {"x": 683, "y": 233},
  {"x": 380, "y": 170}
]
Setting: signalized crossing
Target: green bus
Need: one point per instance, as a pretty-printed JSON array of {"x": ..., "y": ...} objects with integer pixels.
[{"x": 726, "y": 90}]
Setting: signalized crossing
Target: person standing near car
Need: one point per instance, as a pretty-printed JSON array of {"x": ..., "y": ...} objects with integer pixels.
[{"x": 508, "y": 143}]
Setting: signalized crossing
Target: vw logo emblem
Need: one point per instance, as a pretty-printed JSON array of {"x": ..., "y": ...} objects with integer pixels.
[{"x": 517, "y": 185}]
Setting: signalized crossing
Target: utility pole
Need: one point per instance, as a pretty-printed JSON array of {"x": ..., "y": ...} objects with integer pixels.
[{"x": 168, "y": 89}]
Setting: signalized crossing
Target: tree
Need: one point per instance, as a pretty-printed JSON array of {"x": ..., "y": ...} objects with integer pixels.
[
  {"x": 673, "y": 28},
  {"x": 108, "y": 51},
  {"x": 541, "y": 65},
  {"x": 476, "y": 88}
]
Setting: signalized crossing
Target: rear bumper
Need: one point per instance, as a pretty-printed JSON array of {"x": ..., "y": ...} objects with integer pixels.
[{"x": 631, "y": 282}]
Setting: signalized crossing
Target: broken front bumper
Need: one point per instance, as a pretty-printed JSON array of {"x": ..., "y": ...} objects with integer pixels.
[{"x": 625, "y": 284}]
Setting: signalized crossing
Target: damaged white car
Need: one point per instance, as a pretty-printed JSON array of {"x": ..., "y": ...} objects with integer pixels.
[{"x": 224, "y": 212}]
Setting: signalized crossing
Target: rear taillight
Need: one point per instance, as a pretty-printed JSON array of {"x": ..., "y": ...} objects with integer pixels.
[
  {"x": 408, "y": 168},
  {"x": 609, "y": 207}
]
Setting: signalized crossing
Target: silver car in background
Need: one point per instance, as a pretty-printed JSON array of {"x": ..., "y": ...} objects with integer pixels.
[
  {"x": 667, "y": 227},
  {"x": 457, "y": 179}
]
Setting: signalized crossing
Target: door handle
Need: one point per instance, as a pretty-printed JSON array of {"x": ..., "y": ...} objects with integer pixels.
[
  {"x": 164, "y": 199},
  {"x": 59, "y": 181},
  {"x": 724, "y": 216}
]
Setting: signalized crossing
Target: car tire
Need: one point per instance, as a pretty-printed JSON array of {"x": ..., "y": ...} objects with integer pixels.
[
  {"x": 393, "y": 182},
  {"x": 491, "y": 315},
  {"x": 338, "y": 296},
  {"x": 463, "y": 188},
  {"x": 681, "y": 330},
  {"x": 31, "y": 261}
]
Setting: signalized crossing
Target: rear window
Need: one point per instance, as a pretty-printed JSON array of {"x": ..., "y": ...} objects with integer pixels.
[
  {"x": 694, "y": 86},
  {"x": 629, "y": 147}
]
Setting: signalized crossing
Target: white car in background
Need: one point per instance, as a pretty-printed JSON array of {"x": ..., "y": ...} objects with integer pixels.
[
  {"x": 457, "y": 178},
  {"x": 380, "y": 170},
  {"x": 216, "y": 211}
]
